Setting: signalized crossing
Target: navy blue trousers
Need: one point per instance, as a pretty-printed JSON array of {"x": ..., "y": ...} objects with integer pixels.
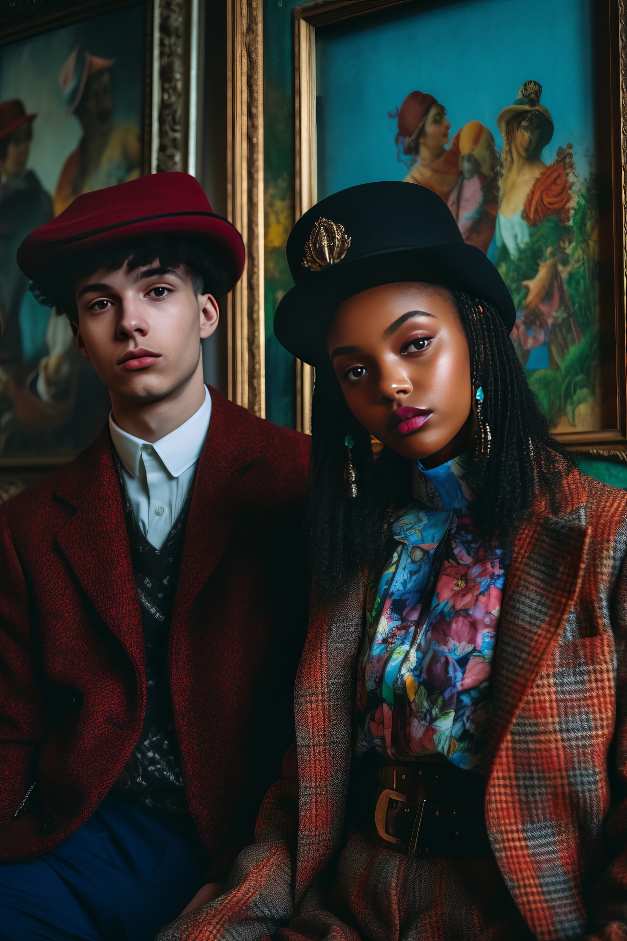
[{"x": 122, "y": 876}]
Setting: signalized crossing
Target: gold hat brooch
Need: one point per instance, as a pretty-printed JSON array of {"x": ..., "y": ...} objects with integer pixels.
[{"x": 327, "y": 244}]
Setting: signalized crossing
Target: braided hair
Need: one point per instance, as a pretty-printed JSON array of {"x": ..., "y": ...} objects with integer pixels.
[{"x": 513, "y": 458}]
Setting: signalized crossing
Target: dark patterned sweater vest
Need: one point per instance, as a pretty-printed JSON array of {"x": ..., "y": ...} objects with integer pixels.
[{"x": 153, "y": 774}]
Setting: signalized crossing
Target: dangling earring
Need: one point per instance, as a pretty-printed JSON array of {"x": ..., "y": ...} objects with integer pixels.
[
  {"x": 484, "y": 433},
  {"x": 350, "y": 474}
]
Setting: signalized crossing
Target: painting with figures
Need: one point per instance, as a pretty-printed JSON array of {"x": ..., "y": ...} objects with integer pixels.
[
  {"x": 71, "y": 120},
  {"x": 501, "y": 119}
]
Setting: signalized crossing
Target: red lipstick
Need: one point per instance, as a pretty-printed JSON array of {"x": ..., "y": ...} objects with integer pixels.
[{"x": 406, "y": 420}]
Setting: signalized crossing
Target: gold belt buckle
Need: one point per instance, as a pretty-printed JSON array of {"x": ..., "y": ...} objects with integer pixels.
[{"x": 381, "y": 814}]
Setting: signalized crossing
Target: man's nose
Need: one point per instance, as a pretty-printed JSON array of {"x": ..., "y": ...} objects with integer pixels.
[{"x": 131, "y": 320}]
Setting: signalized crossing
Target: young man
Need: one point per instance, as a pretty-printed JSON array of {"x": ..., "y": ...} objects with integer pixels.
[{"x": 151, "y": 592}]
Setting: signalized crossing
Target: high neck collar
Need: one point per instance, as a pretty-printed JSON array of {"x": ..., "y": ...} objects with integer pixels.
[{"x": 443, "y": 487}]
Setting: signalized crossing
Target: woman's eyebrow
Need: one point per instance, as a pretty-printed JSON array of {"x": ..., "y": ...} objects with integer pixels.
[
  {"x": 345, "y": 351},
  {"x": 389, "y": 330},
  {"x": 393, "y": 327}
]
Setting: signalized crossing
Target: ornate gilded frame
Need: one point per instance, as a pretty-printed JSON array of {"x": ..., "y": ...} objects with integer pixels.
[
  {"x": 246, "y": 336},
  {"x": 308, "y": 19},
  {"x": 171, "y": 38},
  {"x": 172, "y": 53}
]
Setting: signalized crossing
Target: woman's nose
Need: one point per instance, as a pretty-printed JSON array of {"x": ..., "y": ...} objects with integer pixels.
[{"x": 394, "y": 383}]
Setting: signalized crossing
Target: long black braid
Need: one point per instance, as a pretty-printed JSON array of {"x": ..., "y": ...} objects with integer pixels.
[{"x": 348, "y": 535}]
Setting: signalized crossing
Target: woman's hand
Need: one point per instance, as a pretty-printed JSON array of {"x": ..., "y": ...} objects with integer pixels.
[{"x": 205, "y": 894}]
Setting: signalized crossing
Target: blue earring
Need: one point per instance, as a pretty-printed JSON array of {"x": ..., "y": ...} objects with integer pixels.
[{"x": 483, "y": 440}]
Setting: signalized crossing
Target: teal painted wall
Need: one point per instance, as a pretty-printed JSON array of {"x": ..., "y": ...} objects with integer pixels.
[{"x": 610, "y": 472}]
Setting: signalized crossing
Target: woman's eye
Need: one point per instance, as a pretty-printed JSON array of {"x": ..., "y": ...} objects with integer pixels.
[
  {"x": 355, "y": 373},
  {"x": 419, "y": 345},
  {"x": 159, "y": 291}
]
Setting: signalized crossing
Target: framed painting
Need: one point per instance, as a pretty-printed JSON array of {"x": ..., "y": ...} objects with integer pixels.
[
  {"x": 535, "y": 143},
  {"x": 91, "y": 94},
  {"x": 530, "y": 119}
]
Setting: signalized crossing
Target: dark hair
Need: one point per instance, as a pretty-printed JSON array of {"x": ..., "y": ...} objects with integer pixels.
[
  {"x": 348, "y": 535},
  {"x": 534, "y": 119},
  {"x": 56, "y": 288}
]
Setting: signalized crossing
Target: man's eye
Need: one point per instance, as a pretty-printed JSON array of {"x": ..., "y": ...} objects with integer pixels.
[
  {"x": 101, "y": 304},
  {"x": 159, "y": 291},
  {"x": 355, "y": 373},
  {"x": 419, "y": 345}
]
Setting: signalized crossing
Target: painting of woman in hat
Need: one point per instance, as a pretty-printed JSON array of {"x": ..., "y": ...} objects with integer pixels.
[
  {"x": 39, "y": 364},
  {"x": 108, "y": 153},
  {"x": 460, "y": 759},
  {"x": 24, "y": 203},
  {"x": 422, "y": 135},
  {"x": 534, "y": 247}
]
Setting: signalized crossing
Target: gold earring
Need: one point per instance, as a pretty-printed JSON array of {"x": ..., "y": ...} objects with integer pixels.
[{"x": 350, "y": 474}]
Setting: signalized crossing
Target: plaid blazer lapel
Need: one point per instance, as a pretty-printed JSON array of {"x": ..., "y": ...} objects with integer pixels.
[
  {"x": 323, "y": 713},
  {"x": 543, "y": 582}
]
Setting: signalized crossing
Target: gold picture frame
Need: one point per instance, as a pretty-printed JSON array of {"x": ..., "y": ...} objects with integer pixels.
[{"x": 245, "y": 192}]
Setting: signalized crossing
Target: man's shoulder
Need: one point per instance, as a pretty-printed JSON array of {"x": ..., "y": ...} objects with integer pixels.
[
  {"x": 270, "y": 463},
  {"x": 34, "y": 505},
  {"x": 259, "y": 435}
]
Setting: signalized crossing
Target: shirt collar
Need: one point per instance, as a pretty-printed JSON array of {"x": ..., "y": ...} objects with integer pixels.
[
  {"x": 178, "y": 450},
  {"x": 443, "y": 487}
]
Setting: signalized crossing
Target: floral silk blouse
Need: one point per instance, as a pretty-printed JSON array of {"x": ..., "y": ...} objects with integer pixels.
[{"x": 423, "y": 684}]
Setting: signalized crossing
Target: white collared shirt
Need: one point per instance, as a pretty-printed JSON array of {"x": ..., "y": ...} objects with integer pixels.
[{"x": 158, "y": 475}]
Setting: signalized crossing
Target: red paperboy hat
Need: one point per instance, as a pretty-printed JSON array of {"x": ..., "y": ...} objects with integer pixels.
[
  {"x": 12, "y": 116},
  {"x": 160, "y": 203}
]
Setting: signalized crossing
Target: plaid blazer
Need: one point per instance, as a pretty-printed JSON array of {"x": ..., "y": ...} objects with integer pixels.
[{"x": 556, "y": 798}]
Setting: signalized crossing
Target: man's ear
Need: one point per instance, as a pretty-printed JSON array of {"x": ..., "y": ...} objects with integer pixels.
[
  {"x": 209, "y": 312},
  {"x": 73, "y": 322},
  {"x": 79, "y": 340}
]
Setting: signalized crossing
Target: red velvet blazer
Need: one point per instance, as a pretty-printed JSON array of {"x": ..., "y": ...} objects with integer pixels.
[{"x": 72, "y": 677}]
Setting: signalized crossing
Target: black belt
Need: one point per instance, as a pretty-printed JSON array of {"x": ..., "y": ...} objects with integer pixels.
[{"x": 427, "y": 808}]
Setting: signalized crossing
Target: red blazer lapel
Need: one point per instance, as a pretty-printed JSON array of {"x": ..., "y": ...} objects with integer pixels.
[
  {"x": 543, "y": 582},
  {"x": 95, "y": 544},
  {"x": 226, "y": 453}
]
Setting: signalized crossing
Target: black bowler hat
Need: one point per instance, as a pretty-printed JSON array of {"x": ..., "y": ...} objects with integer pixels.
[{"x": 373, "y": 234}]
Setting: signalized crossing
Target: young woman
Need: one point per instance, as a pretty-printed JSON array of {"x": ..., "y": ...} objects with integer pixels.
[{"x": 460, "y": 760}]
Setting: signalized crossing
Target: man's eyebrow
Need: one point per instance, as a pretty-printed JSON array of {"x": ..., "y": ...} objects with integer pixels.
[
  {"x": 139, "y": 275},
  {"x": 393, "y": 327},
  {"x": 156, "y": 270},
  {"x": 96, "y": 286}
]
